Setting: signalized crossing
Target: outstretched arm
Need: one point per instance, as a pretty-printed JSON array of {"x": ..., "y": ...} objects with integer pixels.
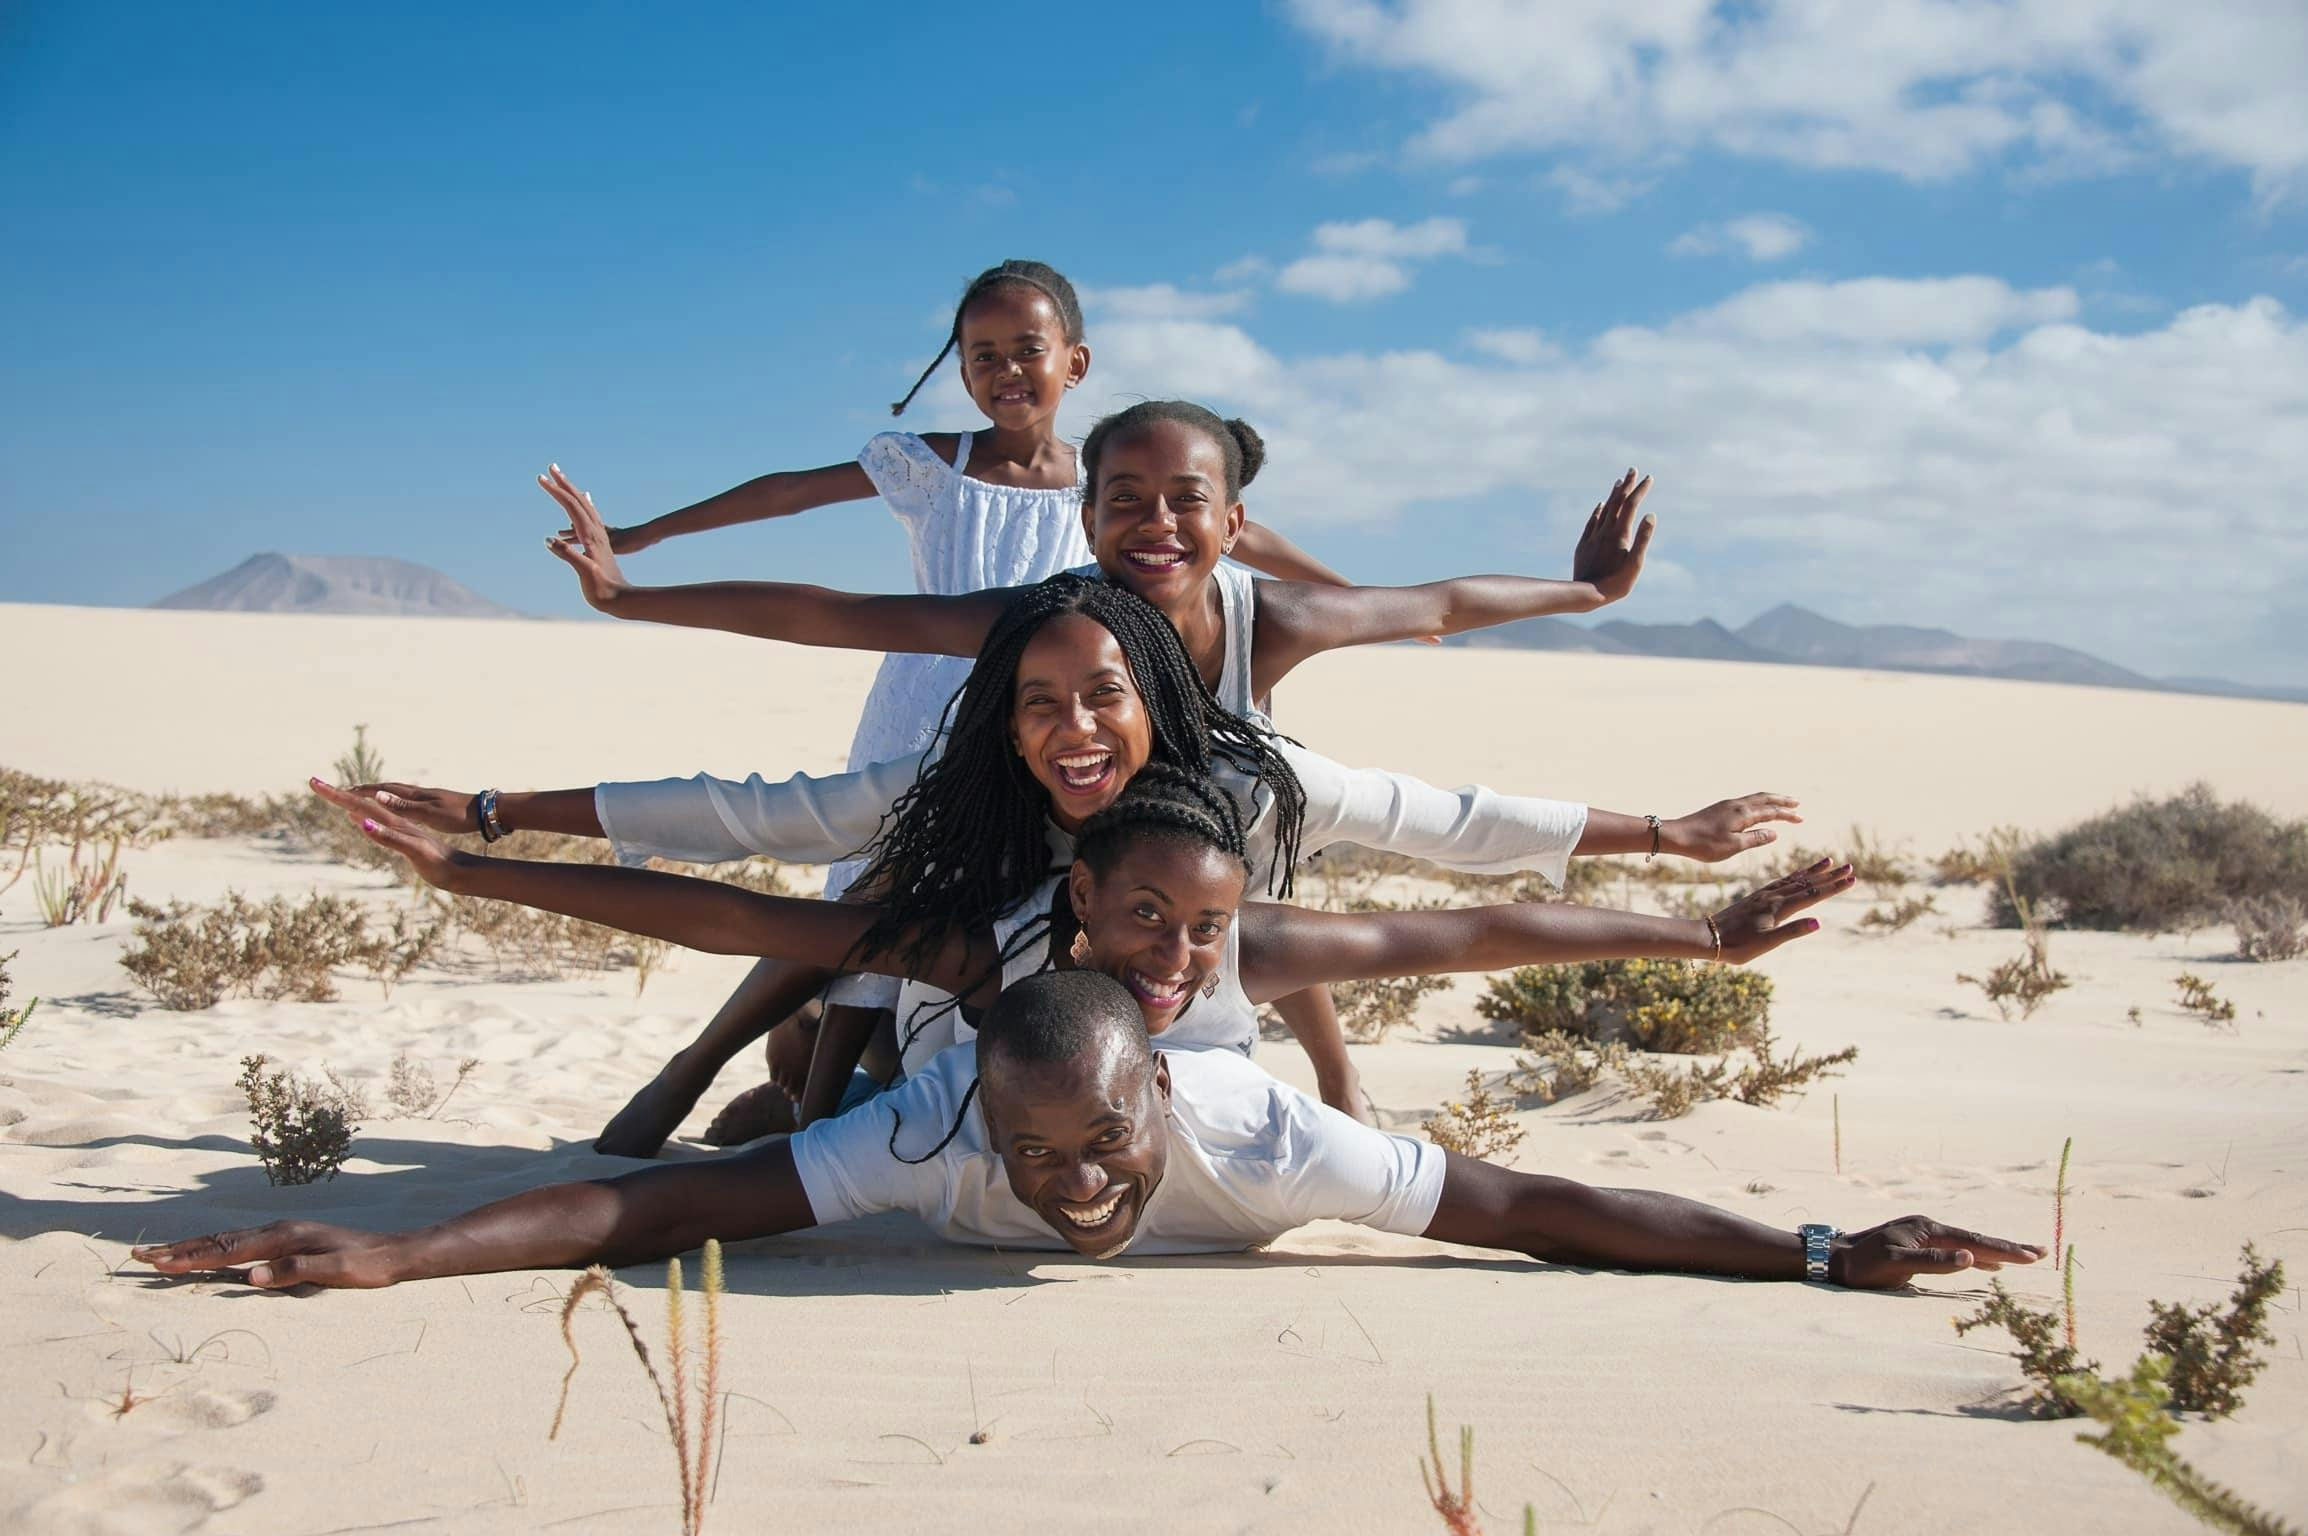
[
  {"x": 647, "y": 1215},
  {"x": 1263, "y": 549},
  {"x": 1566, "y": 1222},
  {"x": 765, "y": 496},
  {"x": 769, "y": 610},
  {"x": 1286, "y": 948},
  {"x": 1297, "y": 619},
  {"x": 681, "y": 909}
]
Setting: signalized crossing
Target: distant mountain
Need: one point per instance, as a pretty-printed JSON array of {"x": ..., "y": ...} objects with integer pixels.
[
  {"x": 336, "y": 584},
  {"x": 1797, "y": 636}
]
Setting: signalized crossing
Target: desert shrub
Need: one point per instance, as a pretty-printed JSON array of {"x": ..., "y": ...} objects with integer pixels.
[
  {"x": 415, "y": 1094},
  {"x": 1985, "y": 864},
  {"x": 1894, "y": 918},
  {"x": 2198, "y": 998},
  {"x": 2270, "y": 928},
  {"x": 2025, "y": 980},
  {"x": 1559, "y": 1064},
  {"x": 2044, "y": 1358},
  {"x": 2159, "y": 866},
  {"x": 1655, "y": 1005},
  {"x": 2214, "y": 1353},
  {"x": 1870, "y": 860},
  {"x": 2137, "y": 1430},
  {"x": 1477, "y": 1126},
  {"x": 1367, "y": 1010},
  {"x": 12, "y": 1020},
  {"x": 190, "y": 957},
  {"x": 302, "y": 1131}
]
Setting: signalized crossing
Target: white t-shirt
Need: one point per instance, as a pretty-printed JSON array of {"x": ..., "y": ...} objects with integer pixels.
[{"x": 1250, "y": 1158}]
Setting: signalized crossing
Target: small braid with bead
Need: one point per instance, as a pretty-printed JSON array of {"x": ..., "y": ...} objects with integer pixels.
[{"x": 1042, "y": 277}]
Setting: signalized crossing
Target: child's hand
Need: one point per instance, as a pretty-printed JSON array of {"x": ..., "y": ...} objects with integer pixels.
[
  {"x": 437, "y": 864},
  {"x": 584, "y": 546},
  {"x": 1755, "y": 924},
  {"x": 1611, "y": 547},
  {"x": 1726, "y": 827}
]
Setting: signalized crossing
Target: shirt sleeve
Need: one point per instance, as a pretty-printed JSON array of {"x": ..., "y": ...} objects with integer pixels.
[
  {"x": 848, "y": 1171},
  {"x": 1334, "y": 1168},
  {"x": 704, "y": 820},
  {"x": 905, "y": 470},
  {"x": 1471, "y": 828}
]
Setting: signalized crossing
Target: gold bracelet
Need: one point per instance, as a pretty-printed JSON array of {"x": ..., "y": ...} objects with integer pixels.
[{"x": 1715, "y": 937}]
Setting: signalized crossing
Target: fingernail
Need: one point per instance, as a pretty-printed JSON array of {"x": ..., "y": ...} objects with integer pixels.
[
  {"x": 368, "y": 825},
  {"x": 261, "y": 1275}
]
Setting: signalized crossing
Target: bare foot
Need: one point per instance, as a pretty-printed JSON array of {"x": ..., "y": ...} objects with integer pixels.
[
  {"x": 656, "y": 1112},
  {"x": 753, "y": 1114}
]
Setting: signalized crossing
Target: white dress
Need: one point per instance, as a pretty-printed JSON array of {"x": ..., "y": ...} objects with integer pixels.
[{"x": 967, "y": 535}]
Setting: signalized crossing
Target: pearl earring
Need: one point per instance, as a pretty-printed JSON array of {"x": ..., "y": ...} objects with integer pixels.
[{"x": 1080, "y": 950}]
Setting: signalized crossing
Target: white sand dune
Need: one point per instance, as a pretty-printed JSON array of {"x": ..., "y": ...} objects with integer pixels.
[{"x": 1281, "y": 1391}]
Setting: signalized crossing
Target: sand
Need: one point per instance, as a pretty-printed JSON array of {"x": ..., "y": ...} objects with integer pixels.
[{"x": 1282, "y": 1391}]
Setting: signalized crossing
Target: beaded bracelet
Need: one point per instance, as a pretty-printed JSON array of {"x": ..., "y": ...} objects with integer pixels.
[
  {"x": 1653, "y": 822},
  {"x": 485, "y": 816},
  {"x": 1714, "y": 937}
]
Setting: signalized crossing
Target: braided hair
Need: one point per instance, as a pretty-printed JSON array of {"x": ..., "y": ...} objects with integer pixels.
[
  {"x": 965, "y": 843},
  {"x": 1040, "y": 276},
  {"x": 1244, "y": 449},
  {"x": 1168, "y": 804}
]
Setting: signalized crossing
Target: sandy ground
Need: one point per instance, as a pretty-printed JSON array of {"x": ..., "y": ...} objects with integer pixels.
[{"x": 1282, "y": 1391}]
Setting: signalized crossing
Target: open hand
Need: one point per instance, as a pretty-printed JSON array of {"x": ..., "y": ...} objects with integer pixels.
[
  {"x": 1756, "y": 923},
  {"x": 446, "y": 811},
  {"x": 1726, "y": 827},
  {"x": 435, "y": 862},
  {"x": 584, "y": 546},
  {"x": 285, "y": 1253},
  {"x": 1612, "y": 545},
  {"x": 1889, "y": 1256}
]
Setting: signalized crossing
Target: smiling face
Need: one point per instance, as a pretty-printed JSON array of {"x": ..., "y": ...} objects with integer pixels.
[
  {"x": 1084, "y": 1141},
  {"x": 1157, "y": 919},
  {"x": 1160, "y": 515},
  {"x": 1076, "y": 717},
  {"x": 1017, "y": 362}
]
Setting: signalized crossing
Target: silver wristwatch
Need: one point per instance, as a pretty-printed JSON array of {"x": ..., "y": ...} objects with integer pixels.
[{"x": 1818, "y": 1238}]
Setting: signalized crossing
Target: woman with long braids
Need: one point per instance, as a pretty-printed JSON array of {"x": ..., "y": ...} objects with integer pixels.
[{"x": 1078, "y": 688}]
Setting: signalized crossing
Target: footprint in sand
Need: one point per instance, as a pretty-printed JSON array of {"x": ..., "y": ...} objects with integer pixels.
[
  {"x": 148, "y": 1499},
  {"x": 187, "y": 1408}
]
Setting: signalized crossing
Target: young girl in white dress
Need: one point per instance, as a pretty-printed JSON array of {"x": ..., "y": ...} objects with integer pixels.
[{"x": 981, "y": 509}]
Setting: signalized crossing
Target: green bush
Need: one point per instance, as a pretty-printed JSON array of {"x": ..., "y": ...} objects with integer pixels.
[
  {"x": 1654, "y": 1005},
  {"x": 2159, "y": 866}
]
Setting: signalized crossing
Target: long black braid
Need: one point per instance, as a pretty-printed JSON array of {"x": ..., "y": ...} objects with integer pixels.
[
  {"x": 1046, "y": 279},
  {"x": 1160, "y": 803}
]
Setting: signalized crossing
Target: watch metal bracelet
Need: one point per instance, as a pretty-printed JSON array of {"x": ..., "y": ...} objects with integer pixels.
[{"x": 1818, "y": 1245}]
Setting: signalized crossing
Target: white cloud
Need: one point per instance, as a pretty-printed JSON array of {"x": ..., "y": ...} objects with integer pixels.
[
  {"x": 1369, "y": 258},
  {"x": 1949, "y": 450},
  {"x": 1513, "y": 344},
  {"x": 1919, "y": 88},
  {"x": 1585, "y": 193},
  {"x": 1760, "y": 236},
  {"x": 1161, "y": 301},
  {"x": 1343, "y": 279},
  {"x": 1243, "y": 270}
]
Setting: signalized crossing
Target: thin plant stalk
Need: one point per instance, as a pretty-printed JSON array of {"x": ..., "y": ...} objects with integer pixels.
[{"x": 1839, "y": 1134}]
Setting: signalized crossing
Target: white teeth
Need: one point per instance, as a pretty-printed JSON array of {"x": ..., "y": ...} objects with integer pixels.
[{"x": 1098, "y": 1215}]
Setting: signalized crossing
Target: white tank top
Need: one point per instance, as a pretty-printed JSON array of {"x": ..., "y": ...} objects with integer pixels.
[
  {"x": 1238, "y": 616},
  {"x": 1223, "y": 1020}
]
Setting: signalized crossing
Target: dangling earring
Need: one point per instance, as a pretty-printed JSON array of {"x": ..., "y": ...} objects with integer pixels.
[
  {"x": 1080, "y": 950},
  {"x": 1210, "y": 987}
]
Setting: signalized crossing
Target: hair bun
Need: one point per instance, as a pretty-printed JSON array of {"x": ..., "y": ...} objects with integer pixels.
[{"x": 1252, "y": 445}]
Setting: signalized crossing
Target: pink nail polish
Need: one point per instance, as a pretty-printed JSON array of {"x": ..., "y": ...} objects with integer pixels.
[{"x": 372, "y": 826}]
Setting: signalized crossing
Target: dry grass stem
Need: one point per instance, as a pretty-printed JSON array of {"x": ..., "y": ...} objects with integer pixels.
[{"x": 1480, "y": 1126}]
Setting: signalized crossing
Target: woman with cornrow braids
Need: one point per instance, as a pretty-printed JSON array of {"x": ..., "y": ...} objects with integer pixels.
[
  {"x": 1074, "y": 693},
  {"x": 981, "y": 509}
]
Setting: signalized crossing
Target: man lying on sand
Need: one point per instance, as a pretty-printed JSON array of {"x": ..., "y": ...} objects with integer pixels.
[{"x": 1062, "y": 1126}]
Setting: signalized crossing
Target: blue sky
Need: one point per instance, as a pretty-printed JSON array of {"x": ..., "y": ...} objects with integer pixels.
[{"x": 1936, "y": 311}]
